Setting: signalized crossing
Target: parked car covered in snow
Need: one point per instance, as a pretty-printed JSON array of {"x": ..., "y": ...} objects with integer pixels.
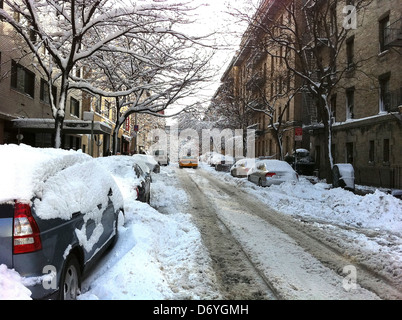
[
  {"x": 126, "y": 168},
  {"x": 302, "y": 162},
  {"x": 149, "y": 161},
  {"x": 269, "y": 172},
  {"x": 59, "y": 211},
  {"x": 242, "y": 167}
]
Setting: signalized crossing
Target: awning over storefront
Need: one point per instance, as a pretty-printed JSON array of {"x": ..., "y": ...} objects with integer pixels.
[{"x": 69, "y": 126}]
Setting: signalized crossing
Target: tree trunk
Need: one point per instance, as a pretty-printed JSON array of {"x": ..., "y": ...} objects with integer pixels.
[
  {"x": 325, "y": 111},
  {"x": 58, "y": 123}
]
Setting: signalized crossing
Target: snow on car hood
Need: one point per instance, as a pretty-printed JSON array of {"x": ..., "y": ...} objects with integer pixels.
[{"x": 24, "y": 169}]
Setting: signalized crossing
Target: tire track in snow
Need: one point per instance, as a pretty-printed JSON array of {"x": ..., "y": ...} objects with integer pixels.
[
  {"x": 308, "y": 237},
  {"x": 238, "y": 277}
]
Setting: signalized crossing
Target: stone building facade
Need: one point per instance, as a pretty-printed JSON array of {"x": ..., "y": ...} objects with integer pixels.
[
  {"x": 25, "y": 112},
  {"x": 366, "y": 103},
  {"x": 367, "y": 120}
]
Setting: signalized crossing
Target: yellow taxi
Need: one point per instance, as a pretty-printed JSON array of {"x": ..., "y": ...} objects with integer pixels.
[{"x": 188, "y": 161}]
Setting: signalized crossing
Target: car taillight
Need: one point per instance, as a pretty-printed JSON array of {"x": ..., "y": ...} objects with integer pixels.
[
  {"x": 138, "y": 192},
  {"x": 270, "y": 175},
  {"x": 26, "y": 236}
]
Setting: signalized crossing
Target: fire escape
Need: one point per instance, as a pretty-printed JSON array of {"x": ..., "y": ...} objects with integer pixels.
[{"x": 393, "y": 34}]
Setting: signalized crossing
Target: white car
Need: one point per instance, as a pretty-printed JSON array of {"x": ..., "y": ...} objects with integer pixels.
[
  {"x": 161, "y": 157},
  {"x": 241, "y": 168},
  {"x": 268, "y": 172}
]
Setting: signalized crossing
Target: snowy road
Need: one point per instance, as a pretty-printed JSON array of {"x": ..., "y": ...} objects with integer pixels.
[
  {"x": 211, "y": 236},
  {"x": 260, "y": 253}
]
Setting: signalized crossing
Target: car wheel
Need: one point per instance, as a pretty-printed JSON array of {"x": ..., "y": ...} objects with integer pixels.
[{"x": 70, "y": 281}]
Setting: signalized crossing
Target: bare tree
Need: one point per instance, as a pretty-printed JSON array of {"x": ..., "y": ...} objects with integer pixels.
[
  {"x": 310, "y": 36},
  {"x": 63, "y": 35}
]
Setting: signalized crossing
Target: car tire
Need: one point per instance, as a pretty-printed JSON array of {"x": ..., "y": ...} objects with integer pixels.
[{"x": 70, "y": 281}]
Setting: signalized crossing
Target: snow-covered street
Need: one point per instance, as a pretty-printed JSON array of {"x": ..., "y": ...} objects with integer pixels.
[
  {"x": 324, "y": 244},
  {"x": 208, "y": 235}
]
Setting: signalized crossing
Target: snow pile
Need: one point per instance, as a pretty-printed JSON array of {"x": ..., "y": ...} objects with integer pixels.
[
  {"x": 320, "y": 202},
  {"x": 11, "y": 287},
  {"x": 24, "y": 169},
  {"x": 157, "y": 256},
  {"x": 375, "y": 211}
]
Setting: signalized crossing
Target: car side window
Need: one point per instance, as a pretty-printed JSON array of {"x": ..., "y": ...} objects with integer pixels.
[{"x": 137, "y": 172}]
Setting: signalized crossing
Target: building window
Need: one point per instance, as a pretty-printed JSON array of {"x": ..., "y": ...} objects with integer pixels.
[
  {"x": 349, "y": 152},
  {"x": 371, "y": 151},
  {"x": 386, "y": 151},
  {"x": 385, "y": 95},
  {"x": 350, "y": 103},
  {"x": 45, "y": 93},
  {"x": 22, "y": 79},
  {"x": 350, "y": 52},
  {"x": 384, "y": 33},
  {"x": 74, "y": 107}
]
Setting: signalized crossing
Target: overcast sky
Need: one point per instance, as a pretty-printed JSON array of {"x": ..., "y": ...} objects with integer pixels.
[{"x": 214, "y": 16}]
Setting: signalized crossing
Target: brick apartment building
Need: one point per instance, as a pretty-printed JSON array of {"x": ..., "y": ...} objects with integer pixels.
[
  {"x": 26, "y": 115},
  {"x": 365, "y": 104}
]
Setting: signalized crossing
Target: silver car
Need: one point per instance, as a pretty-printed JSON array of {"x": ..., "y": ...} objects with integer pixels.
[{"x": 268, "y": 172}]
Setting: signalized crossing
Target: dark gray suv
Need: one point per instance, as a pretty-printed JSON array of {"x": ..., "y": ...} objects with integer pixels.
[{"x": 59, "y": 211}]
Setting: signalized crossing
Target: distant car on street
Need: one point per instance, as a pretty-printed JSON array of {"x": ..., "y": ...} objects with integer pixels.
[
  {"x": 161, "y": 157},
  {"x": 241, "y": 168},
  {"x": 269, "y": 172},
  {"x": 59, "y": 212},
  {"x": 301, "y": 162},
  {"x": 188, "y": 161}
]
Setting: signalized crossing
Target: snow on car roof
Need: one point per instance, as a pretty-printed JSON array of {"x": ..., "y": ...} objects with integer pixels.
[
  {"x": 23, "y": 169},
  {"x": 146, "y": 158},
  {"x": 121, "y": 169},
  {"x": 277, "y": 165},
  {"x": 83, "y": 187}
]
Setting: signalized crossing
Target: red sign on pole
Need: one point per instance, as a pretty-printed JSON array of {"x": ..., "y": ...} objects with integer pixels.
[{"x": 298, "y": 134}]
